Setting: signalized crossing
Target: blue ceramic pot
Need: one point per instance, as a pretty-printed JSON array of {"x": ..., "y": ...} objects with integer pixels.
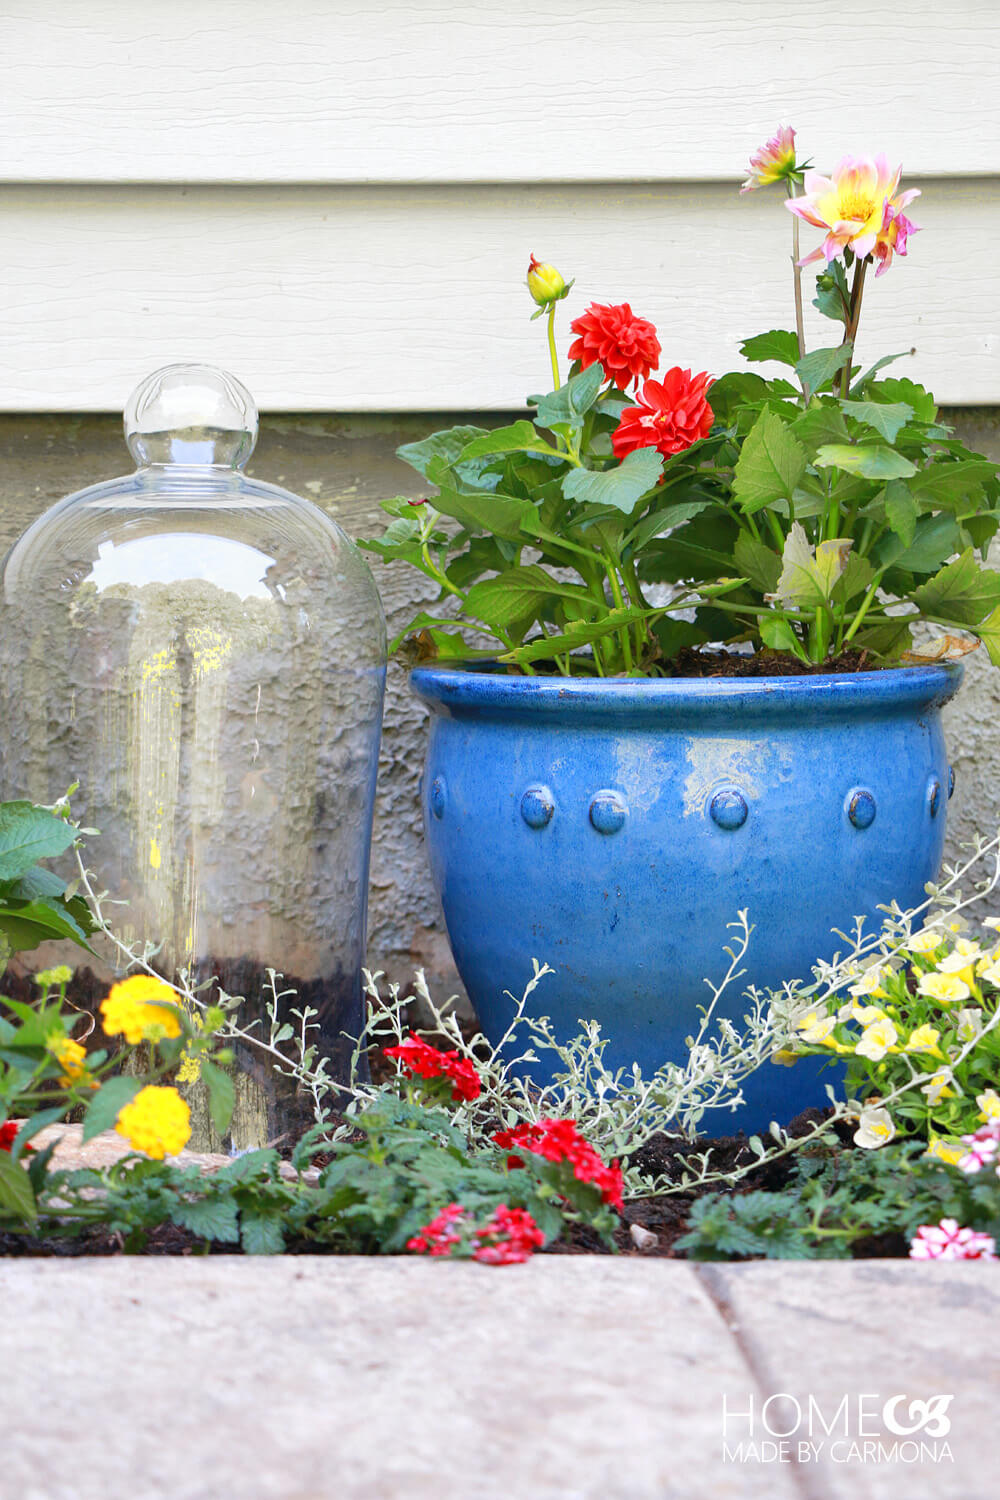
[{"x": 613, "y": 828}]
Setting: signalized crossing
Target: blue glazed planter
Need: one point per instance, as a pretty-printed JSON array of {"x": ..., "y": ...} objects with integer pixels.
[{"x": 612, "y": 828}]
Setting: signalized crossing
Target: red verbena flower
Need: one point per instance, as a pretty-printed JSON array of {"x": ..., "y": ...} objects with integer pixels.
[
  {"x": 8, "y": 1134},
  {"x": 510, "y": 1237},
  {"x": 424, "y": 1061},
  {"x": 625, "y": 346},
  {"x": 560, "y": 1141},
  {"x": 439, "y": 1236},
  {"x": 669, "y": 416}
]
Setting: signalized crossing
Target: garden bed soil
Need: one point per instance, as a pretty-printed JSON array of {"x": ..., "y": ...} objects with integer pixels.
[{"x": 665, "y": 1219}]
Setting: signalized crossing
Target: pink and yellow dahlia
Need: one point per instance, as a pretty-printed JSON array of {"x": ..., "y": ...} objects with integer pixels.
[
  {"x": 859, "y": 208},
  {"x": 774, "y": 162}
]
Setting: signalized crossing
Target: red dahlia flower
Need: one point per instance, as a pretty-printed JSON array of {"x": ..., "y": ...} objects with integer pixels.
[
  {"x": 669, "y": 416},
  {"x": 427, "y": 1062},
  {"x": 560, "y": 1141},
  {"x": 625, "y": 346}
]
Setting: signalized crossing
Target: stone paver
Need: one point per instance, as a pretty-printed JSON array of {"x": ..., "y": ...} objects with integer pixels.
[
  {"x": 398, "y": 1379},
  {"x": 885, "y": 1329},
  {"x": 572, "y": 1378}
]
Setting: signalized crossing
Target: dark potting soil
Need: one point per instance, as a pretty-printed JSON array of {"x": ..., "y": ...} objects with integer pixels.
[
  {"x": 692, "y": 663},
  {"x": 664, "y": 1217}
]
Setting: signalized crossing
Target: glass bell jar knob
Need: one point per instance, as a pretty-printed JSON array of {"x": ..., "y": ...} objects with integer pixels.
[{"x": 191, "y": 414}]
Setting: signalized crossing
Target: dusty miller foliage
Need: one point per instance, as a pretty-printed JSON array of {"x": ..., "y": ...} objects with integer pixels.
[{"x": 619, "y": 1110}]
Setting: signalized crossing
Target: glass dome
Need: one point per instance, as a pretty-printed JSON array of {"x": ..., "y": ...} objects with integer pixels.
[{"x": 205, "y": 655}]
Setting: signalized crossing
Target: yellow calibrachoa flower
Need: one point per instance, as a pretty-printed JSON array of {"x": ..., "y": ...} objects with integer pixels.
[
  {"x": 863, "y": 1014},
  {"x": 989, "y": 969},
  {"x": 137, "y": 1009},
  {"x": 157, "y": 1121},
  {"x": 924, "y": 1039},
  {"x": 814, "y": 1027},
  {"x": 872, "y": 982},
  {"x": 946, "y": 988},
  {"x": 876, "y": 1040},
  {"x": 937, "y": 1086},
  {"x": 875, "y": 1128},
  {"x": 946, "y": 1151},
  {"x": 961, "y": 961},
  {"x": 925, "y": 941},
  {"x": 70, "y": 1056},
  {"x": 784, "y": 1057},
  {"x": 989, "y": 1105},
  {"x": 970, "y": 1023}
]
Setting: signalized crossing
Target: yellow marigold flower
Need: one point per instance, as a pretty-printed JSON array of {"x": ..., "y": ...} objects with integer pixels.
[
  {"x": 875, "y": 1128},
  {"x": 945, "y": 988},
  {"x": 924, "y": 1039},
  {"x": 989, "y": 1105},
  {"x": 141, "y": 1008},
  {"x": 157, "y": 1121},
  {"x": 70, "y": 1056},
  {"x": 815, "y": 1027},
  {"x": 946, "y": 1151},
  {"x": 876, "y": 1040}
]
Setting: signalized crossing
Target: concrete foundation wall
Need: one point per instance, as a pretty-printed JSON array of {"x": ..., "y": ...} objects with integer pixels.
[{"x": 347, "y": 465}]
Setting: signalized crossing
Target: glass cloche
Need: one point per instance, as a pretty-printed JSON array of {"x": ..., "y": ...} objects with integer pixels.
[{"x": 205, "y": 655}]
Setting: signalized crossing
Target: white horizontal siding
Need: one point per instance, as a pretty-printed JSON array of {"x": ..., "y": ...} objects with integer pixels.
[
  {"x": 391, "y": 299},
  {"x": 487, "y": 90},
  {"x": 337, "y": 199}
]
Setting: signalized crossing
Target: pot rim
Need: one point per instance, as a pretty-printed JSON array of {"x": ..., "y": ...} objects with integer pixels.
[{"x": 475, "y": 691}]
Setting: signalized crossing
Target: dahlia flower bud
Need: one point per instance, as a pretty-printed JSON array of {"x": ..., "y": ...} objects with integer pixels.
[{"x": 544, "y": 282}]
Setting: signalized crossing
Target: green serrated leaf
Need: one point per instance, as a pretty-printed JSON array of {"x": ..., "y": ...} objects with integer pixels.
[
  {"x": 498, "y": 515},
  {"x": 212, "y": 1218},
  {"x": 779, "y": 345},
  {"x": 28, "y": 834},
  {"x": 770, "y": 465},
  {"x": 447, "y": 444},
  {"x": 821, "y": 422},
  {"x": 106, "y": 1105},
  {"x": 579, "y": 633},
  {"x": 884, "y": 417},
  {"x": 518, "y": 593},
  {"x": 221, "y": 1094},
  {"x": 520, "y": 437},
  {"x": 261, "y": 1234},
  {"x": 818, "y": 368},
  {"x": 17, "y": 1197},
  {"x": 664, "y": 520},
  {"x": 760, "y": 563},
  {"x": 621, "y": 487},
  {"x": 901, "y": 510},
  {"x": 871, "y": 461},
  {"x": 962, "y": 593},
  {"x": 569, "y": 404}
]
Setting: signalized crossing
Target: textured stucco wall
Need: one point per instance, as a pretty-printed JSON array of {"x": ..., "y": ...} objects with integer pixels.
[{"x": 346, "y": 465}]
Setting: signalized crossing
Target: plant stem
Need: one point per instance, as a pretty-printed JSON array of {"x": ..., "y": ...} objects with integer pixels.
[
  {"x": 851, "y": 330},
  {"x": 797, "y": 281},
  {"x": 551, "y": 320},
  {"x": 619, "y": 598}
]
